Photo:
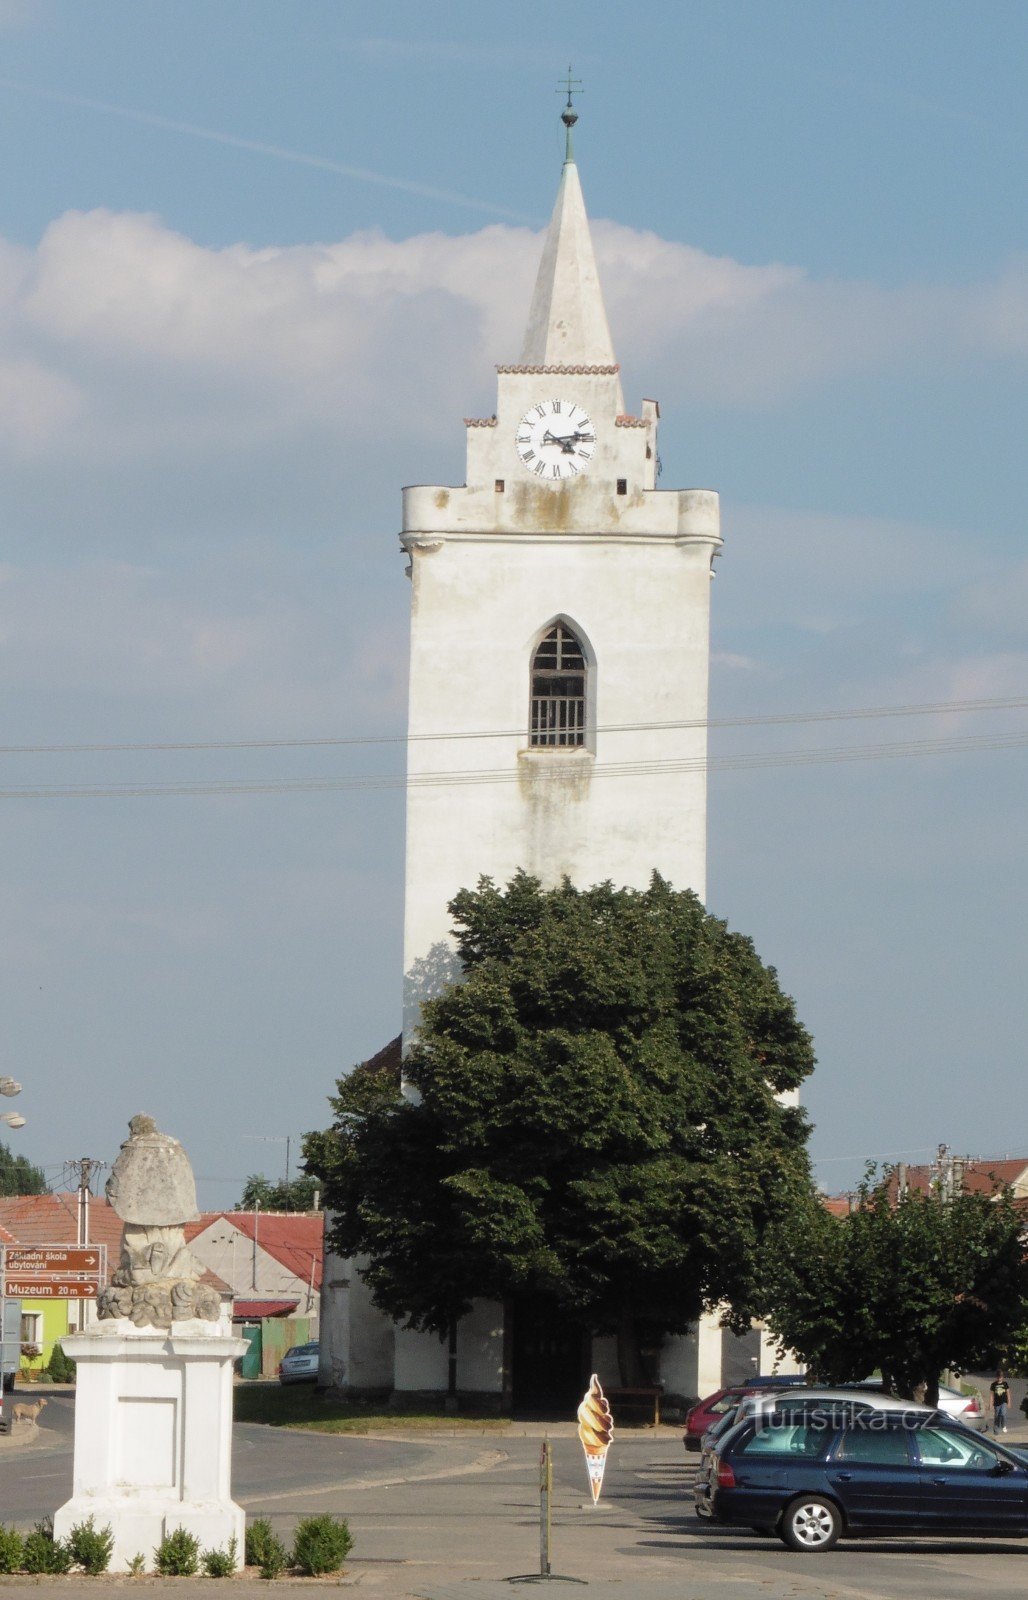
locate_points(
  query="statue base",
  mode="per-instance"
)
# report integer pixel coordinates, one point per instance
(153, 1436)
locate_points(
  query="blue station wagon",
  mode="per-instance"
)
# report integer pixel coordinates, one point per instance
(812, 1476)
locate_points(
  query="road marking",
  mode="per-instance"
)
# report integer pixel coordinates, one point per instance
(481, 1463)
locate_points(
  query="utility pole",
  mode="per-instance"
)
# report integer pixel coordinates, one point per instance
(85, 1166)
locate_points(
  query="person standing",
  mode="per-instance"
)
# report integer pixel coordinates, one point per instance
(999, 1389)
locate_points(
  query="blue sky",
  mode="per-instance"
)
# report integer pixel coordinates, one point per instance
(256, 263)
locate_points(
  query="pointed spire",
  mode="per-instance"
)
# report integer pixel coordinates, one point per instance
(567, 325)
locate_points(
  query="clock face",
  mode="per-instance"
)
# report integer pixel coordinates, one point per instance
(555, 440)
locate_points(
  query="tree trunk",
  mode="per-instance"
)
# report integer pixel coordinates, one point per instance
(630, 1366)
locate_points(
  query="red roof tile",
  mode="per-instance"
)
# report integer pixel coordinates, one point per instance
(53, 1219)
(296, 1239)
(255, 1309)
(980, 1176)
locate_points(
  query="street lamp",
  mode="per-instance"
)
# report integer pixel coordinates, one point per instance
(12, 1119)
(9, 1086)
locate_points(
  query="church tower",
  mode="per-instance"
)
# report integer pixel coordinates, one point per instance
(559, 630)
(559, 658)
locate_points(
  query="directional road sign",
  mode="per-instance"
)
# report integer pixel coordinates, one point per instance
(50, 1259)
(51, 1288)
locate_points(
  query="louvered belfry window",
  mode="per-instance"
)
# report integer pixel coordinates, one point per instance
(558, 690)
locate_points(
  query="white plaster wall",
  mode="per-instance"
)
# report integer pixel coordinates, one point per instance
(479, 609)
(226, 1250)
(370, 1338)
(679, 1364)
(334, 1323)
(708, 1353)
(422, 1361)
(480, 1348)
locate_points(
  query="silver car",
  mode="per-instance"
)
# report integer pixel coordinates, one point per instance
(769, 1401)
(300, 1364)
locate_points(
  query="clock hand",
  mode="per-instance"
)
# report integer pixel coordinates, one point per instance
(567, 441)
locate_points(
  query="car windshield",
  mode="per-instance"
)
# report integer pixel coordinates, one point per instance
(302, 1350)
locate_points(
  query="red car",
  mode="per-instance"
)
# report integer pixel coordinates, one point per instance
(705, 1412)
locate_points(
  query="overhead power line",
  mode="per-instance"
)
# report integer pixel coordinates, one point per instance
(611, 769)
(923, 709)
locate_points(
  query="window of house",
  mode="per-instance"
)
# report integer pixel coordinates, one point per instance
(31, 1327)
(558, 690)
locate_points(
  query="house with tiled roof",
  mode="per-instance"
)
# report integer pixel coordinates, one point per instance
(271, 1259)
(988, 1175)
(54, 1219)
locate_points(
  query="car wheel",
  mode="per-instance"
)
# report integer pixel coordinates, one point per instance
(811, 1523)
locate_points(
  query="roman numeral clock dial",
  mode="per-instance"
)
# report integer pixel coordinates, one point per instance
(555, 440)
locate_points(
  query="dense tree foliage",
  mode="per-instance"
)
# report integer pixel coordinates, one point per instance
(906, 1285)
(594, 1118)
(18, 1175)
(298, 1194)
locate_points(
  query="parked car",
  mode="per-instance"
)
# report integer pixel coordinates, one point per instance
(300, 1364)
(814, 1474)
(763, 1403)
(722, 1403)
(708, 1411)
(968, 1407)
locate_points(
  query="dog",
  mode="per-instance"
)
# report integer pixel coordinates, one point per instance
(28, 1413)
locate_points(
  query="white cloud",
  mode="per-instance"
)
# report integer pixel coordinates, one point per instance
(267, 659)
(124, 337)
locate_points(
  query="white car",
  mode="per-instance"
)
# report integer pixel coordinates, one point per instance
(300, 1364)
(963, 1407)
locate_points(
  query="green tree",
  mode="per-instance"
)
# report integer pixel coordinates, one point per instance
(297, 1195)
(906, 1285)
(18, 1175)
(596, 1119)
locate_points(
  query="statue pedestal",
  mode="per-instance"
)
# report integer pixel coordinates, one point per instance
(153, 1436)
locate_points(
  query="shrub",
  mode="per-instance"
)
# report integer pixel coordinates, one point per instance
(60, 1367)
(321, 1544)
(275, 1558)
(11, 1547)
(258, 1536)
(177, 1555)
(43, 1553)
(91, 1547)
(221, 1563)
(136, 1564)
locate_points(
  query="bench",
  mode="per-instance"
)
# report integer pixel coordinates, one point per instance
(646, 1399)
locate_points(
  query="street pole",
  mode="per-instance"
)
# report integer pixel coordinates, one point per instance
(545, 1497)
(86, 1167)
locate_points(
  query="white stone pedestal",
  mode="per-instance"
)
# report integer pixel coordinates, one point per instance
(153, 1436)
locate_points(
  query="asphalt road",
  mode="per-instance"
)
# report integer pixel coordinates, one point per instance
(449, 1517)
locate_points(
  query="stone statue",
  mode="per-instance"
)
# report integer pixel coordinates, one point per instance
(151, 1188)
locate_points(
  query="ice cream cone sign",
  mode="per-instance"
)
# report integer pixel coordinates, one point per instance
(596, 1430)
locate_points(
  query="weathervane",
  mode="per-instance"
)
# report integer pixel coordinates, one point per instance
(569, 116)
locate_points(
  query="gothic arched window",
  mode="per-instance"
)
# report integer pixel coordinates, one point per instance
(558, 689)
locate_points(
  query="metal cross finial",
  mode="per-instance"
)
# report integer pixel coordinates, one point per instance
(569, 116)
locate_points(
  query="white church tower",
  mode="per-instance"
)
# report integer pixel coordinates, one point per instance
(559, 630)
(559, 664)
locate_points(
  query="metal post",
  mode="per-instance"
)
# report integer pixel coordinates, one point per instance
(545, 1498)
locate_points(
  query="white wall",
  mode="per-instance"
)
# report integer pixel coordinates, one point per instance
(491, 572)
(226, 1250)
